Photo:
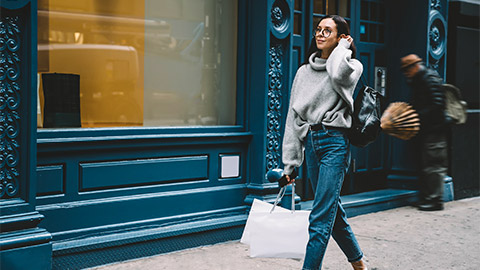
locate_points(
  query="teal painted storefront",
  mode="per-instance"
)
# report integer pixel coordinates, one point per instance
(76, 198)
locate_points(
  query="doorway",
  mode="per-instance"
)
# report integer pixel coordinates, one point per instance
(367, 22)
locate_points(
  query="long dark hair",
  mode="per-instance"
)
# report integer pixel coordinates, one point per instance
(342, 28)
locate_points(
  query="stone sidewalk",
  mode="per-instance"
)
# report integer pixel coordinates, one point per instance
(402, 238)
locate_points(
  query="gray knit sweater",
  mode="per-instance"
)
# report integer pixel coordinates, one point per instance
(321, 93)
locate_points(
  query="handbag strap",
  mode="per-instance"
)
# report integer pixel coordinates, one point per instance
(364, 82)
(293, 198)
(280, 195)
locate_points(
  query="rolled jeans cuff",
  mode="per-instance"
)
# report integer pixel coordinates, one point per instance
(356, 259)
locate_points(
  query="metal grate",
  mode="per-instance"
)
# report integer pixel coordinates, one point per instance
(101, 256)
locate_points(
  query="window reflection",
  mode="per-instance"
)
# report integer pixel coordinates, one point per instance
(140, 63)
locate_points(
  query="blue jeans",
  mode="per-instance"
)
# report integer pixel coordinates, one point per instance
(327, 153)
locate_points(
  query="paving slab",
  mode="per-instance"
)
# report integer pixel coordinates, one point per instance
(402, 238)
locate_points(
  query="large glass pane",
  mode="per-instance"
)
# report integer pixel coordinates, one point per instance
(372, 27)
(343, 8)
(297, 24)
(373, 33)
(364, 31)
(381, 12)
(373, 11)
(332, 7)
(381, 35)
(139, 62)
(298, 5)
(319, 6)
(364, 8)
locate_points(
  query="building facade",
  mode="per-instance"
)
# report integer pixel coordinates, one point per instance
(132, 128)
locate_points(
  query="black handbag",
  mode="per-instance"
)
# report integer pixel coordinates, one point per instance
(365, 117)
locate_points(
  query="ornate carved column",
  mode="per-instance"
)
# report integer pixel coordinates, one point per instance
(271, 39)
(437, 36)
(22, 244)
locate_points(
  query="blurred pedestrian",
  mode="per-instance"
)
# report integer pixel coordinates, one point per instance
(321, 102)
(428, 99)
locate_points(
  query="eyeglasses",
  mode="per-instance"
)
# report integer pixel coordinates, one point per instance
(323, 32)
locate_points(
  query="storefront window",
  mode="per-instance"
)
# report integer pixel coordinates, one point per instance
(105, 63)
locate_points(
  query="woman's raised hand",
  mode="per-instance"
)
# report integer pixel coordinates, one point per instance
(347, 37)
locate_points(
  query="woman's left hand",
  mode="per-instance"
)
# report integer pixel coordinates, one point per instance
(289, 179)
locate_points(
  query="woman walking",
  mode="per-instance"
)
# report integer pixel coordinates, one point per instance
(321, 103)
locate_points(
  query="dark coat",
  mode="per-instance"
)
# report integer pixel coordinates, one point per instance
(428, 99)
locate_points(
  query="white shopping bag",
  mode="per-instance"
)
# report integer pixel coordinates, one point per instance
(258, 206)
(280, 233)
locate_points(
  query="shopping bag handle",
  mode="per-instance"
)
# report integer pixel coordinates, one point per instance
(280, 195)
